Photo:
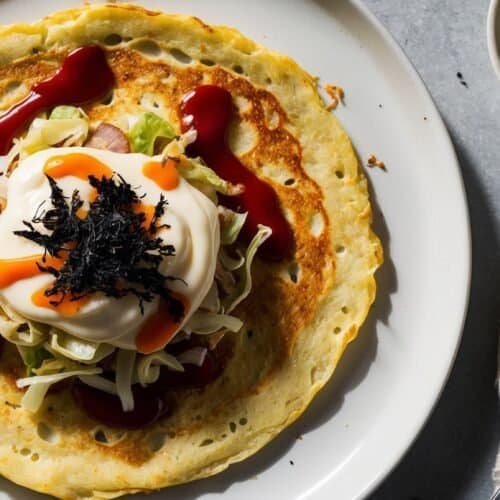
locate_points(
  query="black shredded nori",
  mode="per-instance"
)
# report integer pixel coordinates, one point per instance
(109, 250)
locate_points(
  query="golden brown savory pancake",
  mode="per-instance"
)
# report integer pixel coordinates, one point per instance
(301, 313)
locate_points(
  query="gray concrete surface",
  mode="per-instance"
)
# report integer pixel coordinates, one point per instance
(454, 454)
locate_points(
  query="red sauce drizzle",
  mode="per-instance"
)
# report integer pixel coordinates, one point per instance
(84, 76)
(209, 110)
(196, 376)
(149, 406)
(156, 401)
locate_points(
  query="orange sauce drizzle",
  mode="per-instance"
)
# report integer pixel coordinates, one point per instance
(159, 328)
(81, 213)
(82, 166)
(164, 174)
(66, 307)
(77, 165)
(12, 270)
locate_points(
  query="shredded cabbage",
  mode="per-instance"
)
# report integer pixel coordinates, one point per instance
(148, 367)
(195, 172)
(66, 112)
(177, 146)
(231, 263)
(245, 275)
(125, 361)
(225, 279)
(33, 357)
(66, 126)
(146, 130)
(34, 396)
(56, 377)
(39, 385)
(231, 224)
(211, 302)
(100, 383)
(83, 351)
(19, 330)
(56, 365)
(207, 322)
(194, 356)
(43, 134)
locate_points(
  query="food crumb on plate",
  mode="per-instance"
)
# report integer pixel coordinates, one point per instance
(373, 161)
(337, 95)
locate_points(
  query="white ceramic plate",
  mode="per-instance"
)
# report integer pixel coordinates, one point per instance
(493, 35)
(364, 420)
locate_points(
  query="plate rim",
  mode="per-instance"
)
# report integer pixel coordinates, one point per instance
(491, 22)
(449, 150)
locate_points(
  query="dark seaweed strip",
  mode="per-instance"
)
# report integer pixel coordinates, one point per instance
(108, 251)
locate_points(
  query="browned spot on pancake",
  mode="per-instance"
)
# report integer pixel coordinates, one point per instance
(202, 24)
(285, 295)
(26, 72)
(61, 414)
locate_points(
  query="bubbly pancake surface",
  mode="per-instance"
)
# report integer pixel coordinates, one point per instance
(301, 313)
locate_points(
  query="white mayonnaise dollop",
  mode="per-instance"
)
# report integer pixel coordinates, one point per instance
(194, 232)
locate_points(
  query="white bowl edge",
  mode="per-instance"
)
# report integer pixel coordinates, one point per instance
(492, 26)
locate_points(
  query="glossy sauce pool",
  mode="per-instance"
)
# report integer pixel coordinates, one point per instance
(156, 401)
(209, 110)
(84, 76)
